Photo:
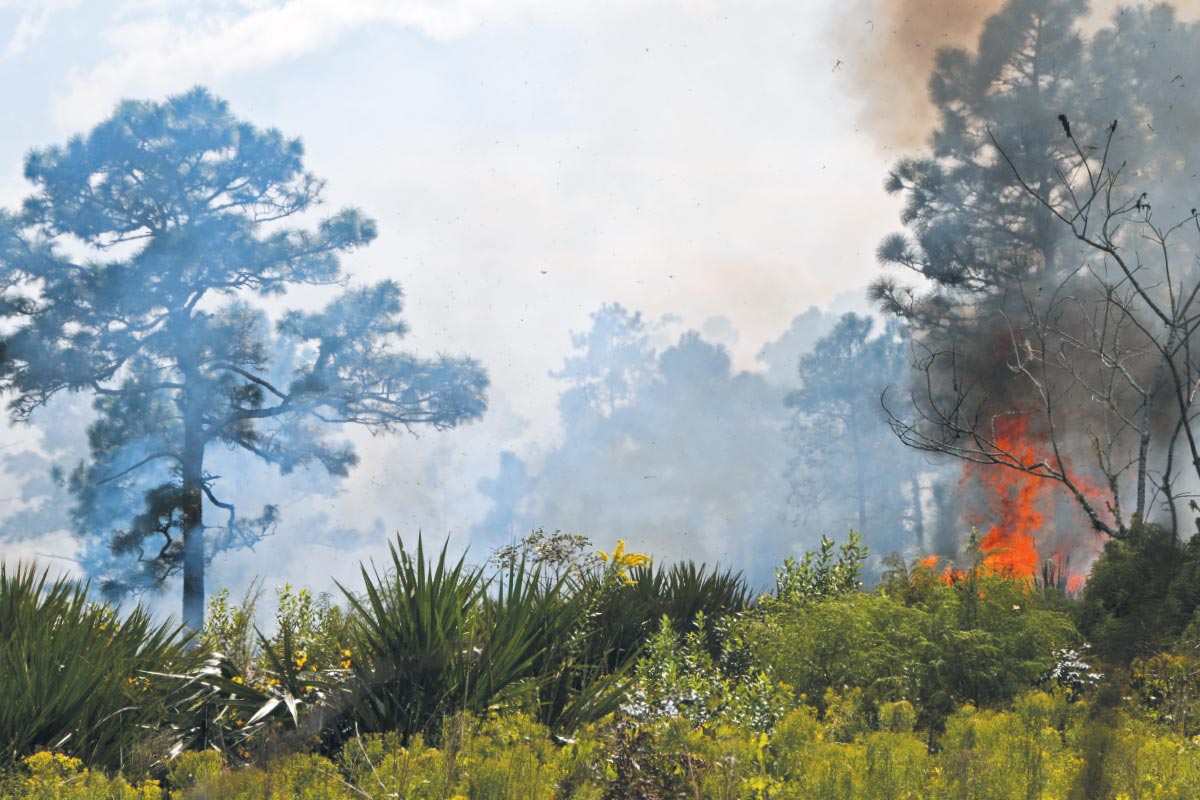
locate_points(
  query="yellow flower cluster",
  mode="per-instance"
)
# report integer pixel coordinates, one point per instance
(621, 562)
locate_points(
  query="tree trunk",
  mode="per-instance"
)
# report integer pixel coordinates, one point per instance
(192, 515)
(192, 475)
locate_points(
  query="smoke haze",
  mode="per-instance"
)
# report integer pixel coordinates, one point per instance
(657, 439)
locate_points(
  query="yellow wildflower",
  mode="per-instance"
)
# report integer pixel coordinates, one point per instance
(621, 562)
(616, 553)
(636, 560)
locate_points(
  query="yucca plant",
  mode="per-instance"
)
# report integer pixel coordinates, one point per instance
(627, 615)
(556, 622)
(214, 707)
(74, 675)
(431, 638)
(411, 637)
(689, 589)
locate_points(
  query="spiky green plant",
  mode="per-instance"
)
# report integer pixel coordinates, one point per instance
(412, 640)
(216, 706)
(74, 674)
(628, 615)
(431, 638)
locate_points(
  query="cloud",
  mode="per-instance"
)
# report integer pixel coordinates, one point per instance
(167, 47)
(32, 22)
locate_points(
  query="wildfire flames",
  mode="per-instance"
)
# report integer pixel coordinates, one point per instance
(1014, 506)
(1014, 499)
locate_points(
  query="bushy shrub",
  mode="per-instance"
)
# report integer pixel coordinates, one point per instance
(1142, 593)
(980, 639)
(677, 677)
(312, 626)
(829, 572)
(54, 776)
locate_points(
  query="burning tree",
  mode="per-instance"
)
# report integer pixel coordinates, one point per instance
(132, 274)
(1053, 344)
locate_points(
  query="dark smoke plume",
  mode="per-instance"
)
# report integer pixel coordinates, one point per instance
(889, 48)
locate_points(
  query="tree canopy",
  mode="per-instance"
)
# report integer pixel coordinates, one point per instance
(149, 268)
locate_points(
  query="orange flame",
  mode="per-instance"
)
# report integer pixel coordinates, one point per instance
(1017, 504)
(1015, 497)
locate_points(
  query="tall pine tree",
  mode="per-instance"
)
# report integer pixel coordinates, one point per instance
(137, 272)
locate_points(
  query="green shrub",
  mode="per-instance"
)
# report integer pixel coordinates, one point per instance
(229, 629)
(678, 677)
(981, 640)
(823, 574)
(1141, 594)
(74, 675)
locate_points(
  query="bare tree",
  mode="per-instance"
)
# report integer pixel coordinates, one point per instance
(1095, 351)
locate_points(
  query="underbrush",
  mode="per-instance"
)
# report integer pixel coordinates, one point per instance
(1044, 746)
(559, 675)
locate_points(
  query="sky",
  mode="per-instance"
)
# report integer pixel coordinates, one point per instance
(703, 162)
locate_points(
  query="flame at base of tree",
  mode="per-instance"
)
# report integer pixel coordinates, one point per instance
(1014, 499)
(1015, 505)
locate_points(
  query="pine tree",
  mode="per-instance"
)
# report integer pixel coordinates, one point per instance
(147, 269)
